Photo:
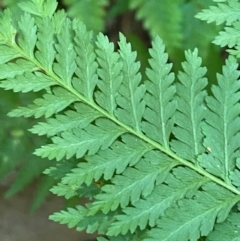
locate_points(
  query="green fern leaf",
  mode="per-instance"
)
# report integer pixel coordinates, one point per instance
(28, 82)
(130, 90)
(86, 62)
(80, 117)
(27, 36)
(133, 183)
(10, 70)
(228, 230)
(46, 52)
(7, 30)
(221, 13)
(222, 123)
(193, 218)
(64, 190)
(144, 212)
(98, 222)
(191, 110)
(229, 37)
(7, 53)
(107, 162)
(71, 217)
(109, 73)
(39, 7)
(65, 66)
(116, 128)
(78, 142)
(120, 238)
(60, 169)
(159, 97)
(48, 105)
(235, 174)
(58, 19)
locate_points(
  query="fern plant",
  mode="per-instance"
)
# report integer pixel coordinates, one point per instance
(158, 159)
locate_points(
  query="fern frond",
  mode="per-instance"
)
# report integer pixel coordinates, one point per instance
(7, 29)
(130, 99)
(28, 82)
(133, 183)
(97, 223)
(86, 62)
(27, 35)
(47, 106)
(61, 169)
(107, 162)
(229, 37)
(64, 190)
(78, 142)
(109, 73)
(146, 211)
(39, 7)
(71, 217)
(7, 54)
(10, 70)
(45, 53)
(159, 96)
(194, 217)
(235, 174)
(66, 55)
(116, 128)
(222, 123)
(228, 230)
(221, 13)
(191, 109)
(79, 117)
(121, 238)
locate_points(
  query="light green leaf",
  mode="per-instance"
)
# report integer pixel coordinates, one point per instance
(107, 162)
(190, 219)
(221, 13)
(28, 82)
(39, 7)
(191, 109)
(109, 73)
(46, 52)
(7, 53)
(78, 142)
(10, 70)
(229, 37)
(222, 123)
(86, 62)
(80, 117)
(27, 36)
(159, 97)
(48, 105)
(133, 183)
(131, 92)
(146, 211)
(71, 217)
(65, 66)
(229, 230)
